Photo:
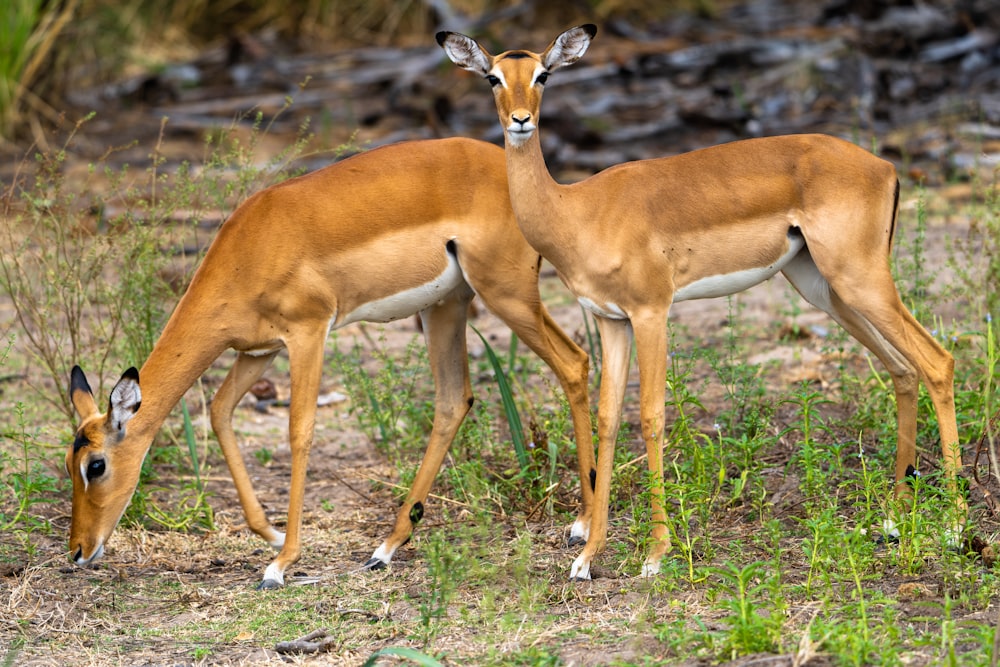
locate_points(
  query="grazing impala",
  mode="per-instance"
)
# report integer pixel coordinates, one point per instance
(631, 240)
(416, 227)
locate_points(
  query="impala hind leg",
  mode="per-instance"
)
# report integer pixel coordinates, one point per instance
(873, 313)
(246, 370)
(444, 330)
(616, 347)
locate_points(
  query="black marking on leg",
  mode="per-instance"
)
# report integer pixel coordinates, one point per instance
(472, 400)
(911, 472)
(593, 479)
(451, 248)
(417, 512)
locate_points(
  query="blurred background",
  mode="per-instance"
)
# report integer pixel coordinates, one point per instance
(917, 79)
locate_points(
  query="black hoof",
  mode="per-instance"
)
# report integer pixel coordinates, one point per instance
(373, 564)
(579, 579)
(268, 585)
(576, 541)
(882, 539)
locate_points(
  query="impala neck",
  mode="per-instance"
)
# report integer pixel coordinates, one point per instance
(535, 198)
(186, 347)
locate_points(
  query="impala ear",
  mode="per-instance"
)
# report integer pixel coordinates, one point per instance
(125, 400)
(81, 394)
(568, 47)
(465, 52)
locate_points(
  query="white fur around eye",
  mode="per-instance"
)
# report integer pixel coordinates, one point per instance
(539, 71)
(498, 74)
(83, 475)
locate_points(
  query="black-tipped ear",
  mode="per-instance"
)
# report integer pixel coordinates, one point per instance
(590, 29)
(80, 393)
(78, 381)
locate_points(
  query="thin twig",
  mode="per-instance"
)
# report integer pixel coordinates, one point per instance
(404, 488)
(986, 445)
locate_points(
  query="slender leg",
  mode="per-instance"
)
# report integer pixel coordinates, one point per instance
(651, 350)
(444, 329)
(571, 366)
(525, 315)
(305, 356)
(875, 316)
(616, 344)
(246, 370)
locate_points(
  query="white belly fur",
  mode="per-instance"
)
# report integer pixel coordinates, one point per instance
(725, 284)
(403, 304)
(609, 310)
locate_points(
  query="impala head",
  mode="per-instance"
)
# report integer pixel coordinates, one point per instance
(104, 471)
(518, 77)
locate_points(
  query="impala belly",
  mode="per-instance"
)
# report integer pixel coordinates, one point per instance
(724, 284)
(609, 310)
(409, 301)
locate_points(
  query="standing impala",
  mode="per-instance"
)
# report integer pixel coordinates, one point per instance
(416, 227)
(631, 240)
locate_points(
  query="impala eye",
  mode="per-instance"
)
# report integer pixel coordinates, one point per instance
(494, 81)
(95, 469)
(542, 78)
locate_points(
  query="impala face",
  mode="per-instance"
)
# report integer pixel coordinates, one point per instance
(518, 77)
(102, 486)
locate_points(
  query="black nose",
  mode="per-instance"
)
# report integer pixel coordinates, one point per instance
(78, 555)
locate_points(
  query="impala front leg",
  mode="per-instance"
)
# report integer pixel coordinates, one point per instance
(305, 366)
(651, 350)
(616, 346)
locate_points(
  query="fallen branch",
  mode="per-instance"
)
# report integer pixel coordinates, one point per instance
(308, 643)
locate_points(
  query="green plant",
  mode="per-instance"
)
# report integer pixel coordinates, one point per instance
(741, 380)
(811, 455)
(509, 406)
(410, 654)
(913, 275)
(192, 507)
(442, 572)
(28, 483)
(752, 627)
(387, 403)
(975, 259)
